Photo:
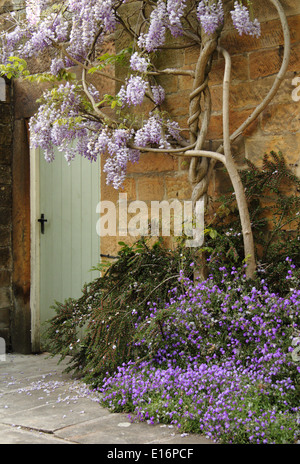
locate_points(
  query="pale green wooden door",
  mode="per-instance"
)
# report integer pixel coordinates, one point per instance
(70, 245)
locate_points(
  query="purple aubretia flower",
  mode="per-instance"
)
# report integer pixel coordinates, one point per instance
(242, 22)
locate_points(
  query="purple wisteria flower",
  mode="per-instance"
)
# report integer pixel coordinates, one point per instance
(52, 29)
(139, 63)
(120, 155)
(79, 30)
(10, 43)
(242, 22)
(150, 133)
(175, 11)
(210, 15)
(133, 92)
(157, 131)
(50, 126)
(34, 9)
(157, 29)
(57, 65)
(158, 93)
(94, 92)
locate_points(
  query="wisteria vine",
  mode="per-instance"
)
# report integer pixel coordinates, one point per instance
(76, 31)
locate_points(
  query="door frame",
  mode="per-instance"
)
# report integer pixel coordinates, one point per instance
(35, 249)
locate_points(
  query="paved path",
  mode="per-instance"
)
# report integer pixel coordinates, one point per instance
(39, 404)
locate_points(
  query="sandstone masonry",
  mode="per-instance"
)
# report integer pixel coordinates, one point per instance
(6, 263)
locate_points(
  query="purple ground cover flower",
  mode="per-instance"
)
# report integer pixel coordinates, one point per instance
(218, 362)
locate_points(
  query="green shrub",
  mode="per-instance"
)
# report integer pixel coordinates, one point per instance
(274, 206)
(112, 303)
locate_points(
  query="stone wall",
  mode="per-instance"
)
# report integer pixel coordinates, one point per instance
(255, 63)
(6, 262)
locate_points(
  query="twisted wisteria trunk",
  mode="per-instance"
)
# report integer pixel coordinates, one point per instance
(203, 162)
(200, 108)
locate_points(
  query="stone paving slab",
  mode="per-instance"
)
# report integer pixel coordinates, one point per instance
(19, 436)
(40, 404)
(116, 429)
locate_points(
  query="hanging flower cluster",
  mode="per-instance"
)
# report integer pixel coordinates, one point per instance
(210, 15)
(242, 22)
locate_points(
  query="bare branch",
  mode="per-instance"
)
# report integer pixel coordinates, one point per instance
(96, 109)
(279, 77)
(174, 71)
(206, 154)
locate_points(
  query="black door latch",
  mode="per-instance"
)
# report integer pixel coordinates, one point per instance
(42, 221)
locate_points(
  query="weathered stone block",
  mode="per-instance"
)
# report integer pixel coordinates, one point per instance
(169, 58)
(152, 162)
(239, 70)
(191, 55)
(5, 114)
(177, 104)
(25, 96)
(265, 11)
(4, 318)
(5, 298)
(5, 136)
(288, 144)
(5, 278)
(271, 37)
(5, 258)
(251, 93)
(5, 195)
(281, 118)
(150, 188)
(5, 155)
(5, 174)
(5, 236)
(268, 62)
(178, 187)
(236, 119)
(5, 216)
(109, 193)
(169, 83)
